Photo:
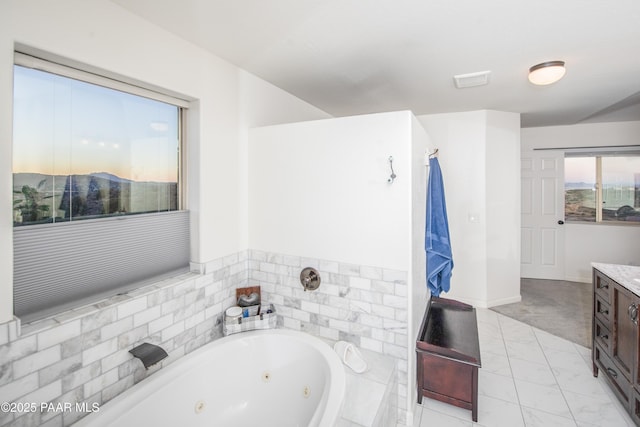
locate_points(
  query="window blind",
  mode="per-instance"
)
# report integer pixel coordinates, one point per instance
(57, 266)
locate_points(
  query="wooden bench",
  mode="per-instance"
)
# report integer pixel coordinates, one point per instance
(448, 354)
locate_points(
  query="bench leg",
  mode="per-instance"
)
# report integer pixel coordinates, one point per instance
(474, 395)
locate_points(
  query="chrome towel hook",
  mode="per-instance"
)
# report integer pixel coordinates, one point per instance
(392, 177)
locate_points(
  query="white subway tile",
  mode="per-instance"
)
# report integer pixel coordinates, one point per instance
(161, 323)
(371, 344)
(310, 307)
(44, 394)
(368, 272)
(394, 301)
(114, 329)
(291, 323)
(360, 283)
(146, 316)
(172, 330)
(131, 307)
(99, 351)
(12, 391)
(300, 315)
(98, 384)
(18, 349)
(4, 333)
(36, 361)
(114, 360)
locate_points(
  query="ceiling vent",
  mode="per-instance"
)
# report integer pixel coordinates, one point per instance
(472, 79)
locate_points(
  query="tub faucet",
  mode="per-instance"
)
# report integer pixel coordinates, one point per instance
(149, 354)
(310, 279)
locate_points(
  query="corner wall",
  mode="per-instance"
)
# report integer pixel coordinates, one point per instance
(480, 158)
(319, 195)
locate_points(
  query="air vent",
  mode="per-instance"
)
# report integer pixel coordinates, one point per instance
(472, 79)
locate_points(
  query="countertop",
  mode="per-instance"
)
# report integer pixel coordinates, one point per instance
(627, 275)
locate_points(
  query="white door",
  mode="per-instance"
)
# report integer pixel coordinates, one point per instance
(542, 215)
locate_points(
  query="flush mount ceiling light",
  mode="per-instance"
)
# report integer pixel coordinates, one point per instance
(546, 73)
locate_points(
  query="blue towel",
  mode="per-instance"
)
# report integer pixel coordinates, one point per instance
(437, 242)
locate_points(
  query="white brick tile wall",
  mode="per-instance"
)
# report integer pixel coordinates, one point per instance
(129, 308)
(36, 361)
(82, 355)
(57, 335)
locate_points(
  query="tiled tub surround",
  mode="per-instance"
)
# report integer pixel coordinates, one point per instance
(82, 355)
(360, 304)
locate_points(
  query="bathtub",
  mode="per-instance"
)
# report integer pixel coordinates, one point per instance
(269, 378)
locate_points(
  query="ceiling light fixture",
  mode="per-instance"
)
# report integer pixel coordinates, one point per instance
(546, 73)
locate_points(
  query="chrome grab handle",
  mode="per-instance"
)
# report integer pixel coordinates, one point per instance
(612, 372)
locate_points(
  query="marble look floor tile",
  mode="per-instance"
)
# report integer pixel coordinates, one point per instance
(497, 386)
(563, 360)
(496, 363)
(445, 408)
(530, 377)
(532, 372)
(579, 381)
(549, 341)
(594, 410)
(493, 346)
(536, 418)
(431, 418)
(498, 413)
(525, 351)
(544, 398)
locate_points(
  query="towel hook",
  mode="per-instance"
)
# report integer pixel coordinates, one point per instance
(392, 177)
(434, 154)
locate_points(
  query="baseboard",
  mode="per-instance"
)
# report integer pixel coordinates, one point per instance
(503, 301)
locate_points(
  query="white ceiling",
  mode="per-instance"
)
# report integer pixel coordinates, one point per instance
(352, 57)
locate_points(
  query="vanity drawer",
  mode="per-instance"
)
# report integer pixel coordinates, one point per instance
(602, 336)
(602, 311)
(602, 286)
(619, 384)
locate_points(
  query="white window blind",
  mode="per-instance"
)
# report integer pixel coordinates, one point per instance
(57, 266)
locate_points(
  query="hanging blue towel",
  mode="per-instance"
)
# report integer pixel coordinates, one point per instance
(437, 242)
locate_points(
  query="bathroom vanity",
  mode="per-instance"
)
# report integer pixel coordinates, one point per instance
(448, 354)
(616, 335)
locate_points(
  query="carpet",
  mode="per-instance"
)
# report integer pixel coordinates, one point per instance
(559, 307)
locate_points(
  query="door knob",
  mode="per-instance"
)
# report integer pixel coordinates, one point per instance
(560, 222)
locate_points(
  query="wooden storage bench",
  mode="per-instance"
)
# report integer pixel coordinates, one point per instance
(448, 354)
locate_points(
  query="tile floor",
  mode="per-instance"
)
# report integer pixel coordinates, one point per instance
(529, 378)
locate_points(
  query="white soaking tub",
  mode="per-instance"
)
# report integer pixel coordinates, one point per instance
(268, 378)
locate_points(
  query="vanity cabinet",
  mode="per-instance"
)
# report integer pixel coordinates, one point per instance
(616, 339)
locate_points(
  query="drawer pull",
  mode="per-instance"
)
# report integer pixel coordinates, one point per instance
(604, 337)
(606, 312)
(612, 372)
(606, 286)
(633, 313)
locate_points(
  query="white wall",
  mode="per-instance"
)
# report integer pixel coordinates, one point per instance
(418, 293)
(479, 156)
(319, 189)
(103, 35)
(503, 207)
(584, 243)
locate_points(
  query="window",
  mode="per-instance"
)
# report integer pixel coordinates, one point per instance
(96, 186)
(602, 188)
